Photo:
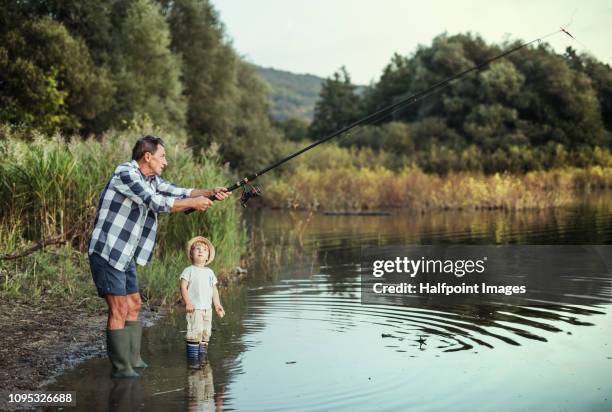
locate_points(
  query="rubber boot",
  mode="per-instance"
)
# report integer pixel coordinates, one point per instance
(118, 348)
(134, 327)
(193, 354)
(203, 350)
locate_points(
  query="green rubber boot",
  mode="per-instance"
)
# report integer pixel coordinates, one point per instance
(134, 327)
(118, 348)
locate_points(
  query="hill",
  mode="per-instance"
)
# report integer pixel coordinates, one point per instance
(291, 95)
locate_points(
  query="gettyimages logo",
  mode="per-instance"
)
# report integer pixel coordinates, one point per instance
(413, 267)
(460, 274)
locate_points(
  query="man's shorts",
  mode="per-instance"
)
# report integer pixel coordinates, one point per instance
(199, 325)
(110, 281)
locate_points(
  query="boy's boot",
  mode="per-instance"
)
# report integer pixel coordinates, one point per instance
(134, 328)
(203, 350)
(118, 348)
(193, 348)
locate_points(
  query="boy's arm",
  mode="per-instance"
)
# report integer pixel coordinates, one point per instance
(217, 302)
(185, 294)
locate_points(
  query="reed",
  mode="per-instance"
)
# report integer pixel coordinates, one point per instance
(360, 188)
(334, 177)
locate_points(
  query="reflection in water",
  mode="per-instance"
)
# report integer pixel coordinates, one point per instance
(298, 337)
(125, 395)
(201, 390)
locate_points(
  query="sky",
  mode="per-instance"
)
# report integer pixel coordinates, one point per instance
(320, 36)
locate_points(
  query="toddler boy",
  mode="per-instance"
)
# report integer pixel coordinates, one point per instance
(199, 292)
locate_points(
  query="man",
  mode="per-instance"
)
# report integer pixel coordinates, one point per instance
(124, 235)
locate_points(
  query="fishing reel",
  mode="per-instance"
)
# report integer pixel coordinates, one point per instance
(249, 192)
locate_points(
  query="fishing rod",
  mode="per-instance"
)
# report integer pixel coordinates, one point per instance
(250, 191)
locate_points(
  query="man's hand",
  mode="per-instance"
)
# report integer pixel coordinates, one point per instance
(220, 311)
(201, 203)
(189, 308)
(221, 193)
(192, 203)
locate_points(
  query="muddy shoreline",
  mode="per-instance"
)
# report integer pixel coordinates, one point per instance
(40, 342)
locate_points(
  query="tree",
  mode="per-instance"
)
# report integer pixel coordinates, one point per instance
(49, 80)
(227, 103)
(601, 77)
(337, 107)
(255, 143)
(127, 44)
(146, 72)
(210, 68)
(93, 21)
(294, 129)
(393, 84)
(558, 104)
(531, 97)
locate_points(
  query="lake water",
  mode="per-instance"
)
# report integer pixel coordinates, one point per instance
(297, 336)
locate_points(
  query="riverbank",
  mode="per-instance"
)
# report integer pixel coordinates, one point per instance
(39, 342)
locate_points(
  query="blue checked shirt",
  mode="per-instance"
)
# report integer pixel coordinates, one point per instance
(126, 221)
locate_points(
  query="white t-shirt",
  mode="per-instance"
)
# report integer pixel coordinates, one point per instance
(200, 285)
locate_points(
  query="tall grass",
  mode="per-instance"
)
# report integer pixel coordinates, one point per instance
(51, 188)
(337, 178)
(59, 275)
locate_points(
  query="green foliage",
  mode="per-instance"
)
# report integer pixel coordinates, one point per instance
(227, 103)
(209, 69)
(91, 20)
(559, 104)
(294, 129)
(393, 84)
(501, 83)
(337, 107)
(61, 275)
(123, 71)
(393, 137)
(49, 80)
(601, 77)
(516, 115)
(490, 126)
(332, 156)
(434, 147)
(255, 142)
(147, 73)
(431, 131)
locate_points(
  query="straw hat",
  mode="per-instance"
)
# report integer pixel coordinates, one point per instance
(211, 248)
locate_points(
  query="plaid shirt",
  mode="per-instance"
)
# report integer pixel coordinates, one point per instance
(126, 221)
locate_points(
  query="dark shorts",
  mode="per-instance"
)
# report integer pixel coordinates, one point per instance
(110, 281)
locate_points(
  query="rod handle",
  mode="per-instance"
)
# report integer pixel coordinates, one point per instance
(213, 197)
(190, 211)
